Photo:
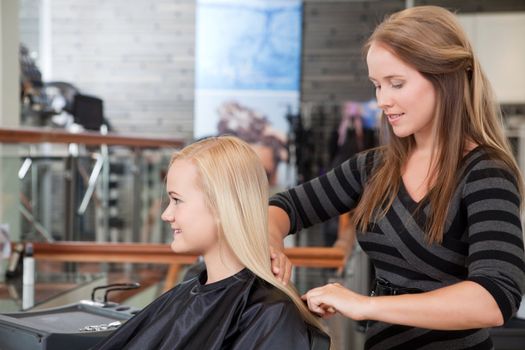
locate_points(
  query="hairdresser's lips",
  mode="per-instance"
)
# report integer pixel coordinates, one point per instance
(394, 118)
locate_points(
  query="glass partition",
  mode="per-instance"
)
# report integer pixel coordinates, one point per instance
(75, 191)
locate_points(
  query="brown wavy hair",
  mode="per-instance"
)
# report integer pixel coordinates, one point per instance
(431, 40)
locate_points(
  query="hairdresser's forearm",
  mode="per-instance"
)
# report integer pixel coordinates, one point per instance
(278, 225)
(464, 305)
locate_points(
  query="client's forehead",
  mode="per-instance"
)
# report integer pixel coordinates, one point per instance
(182, 176)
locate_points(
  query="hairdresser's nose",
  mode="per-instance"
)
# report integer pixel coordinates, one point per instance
(384, 99)
(168, 215)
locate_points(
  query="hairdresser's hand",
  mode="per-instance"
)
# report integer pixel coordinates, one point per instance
(331, 298)
(281, 265)
(278, 227)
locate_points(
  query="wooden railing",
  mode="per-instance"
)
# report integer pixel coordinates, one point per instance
(41, 135)
(162, 254)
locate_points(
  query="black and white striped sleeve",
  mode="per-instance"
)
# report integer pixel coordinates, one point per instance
(324, 197)
(496, 258)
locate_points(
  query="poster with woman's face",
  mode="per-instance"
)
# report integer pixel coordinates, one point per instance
(248, 75)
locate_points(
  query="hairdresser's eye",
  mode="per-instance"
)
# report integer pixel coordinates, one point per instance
(397, 85)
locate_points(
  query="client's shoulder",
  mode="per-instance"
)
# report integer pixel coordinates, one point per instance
(266, 296)
(270, 319)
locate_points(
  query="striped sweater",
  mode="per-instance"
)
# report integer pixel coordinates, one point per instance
(483, 241)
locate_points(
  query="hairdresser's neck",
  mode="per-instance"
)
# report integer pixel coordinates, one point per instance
(221, 263)
(425, 142)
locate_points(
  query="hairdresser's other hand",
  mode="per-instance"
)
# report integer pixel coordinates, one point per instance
(281, 265)
(325, 301)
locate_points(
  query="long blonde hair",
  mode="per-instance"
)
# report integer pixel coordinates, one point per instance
(431, 40)
(236, 189)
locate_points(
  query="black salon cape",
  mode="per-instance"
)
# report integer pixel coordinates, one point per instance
(240, 312)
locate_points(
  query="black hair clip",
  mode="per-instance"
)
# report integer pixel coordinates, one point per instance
(469, 72)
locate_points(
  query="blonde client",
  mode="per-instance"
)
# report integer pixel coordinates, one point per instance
(218, 195)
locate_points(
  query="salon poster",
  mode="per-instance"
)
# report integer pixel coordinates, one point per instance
(248, 56)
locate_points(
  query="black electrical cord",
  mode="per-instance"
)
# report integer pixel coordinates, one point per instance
(114, 287)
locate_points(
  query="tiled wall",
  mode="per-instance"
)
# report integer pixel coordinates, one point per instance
(334, 33)
(29, 13)
(468, 6)
(137, 55)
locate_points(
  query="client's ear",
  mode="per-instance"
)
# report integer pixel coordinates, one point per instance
(218, 223)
